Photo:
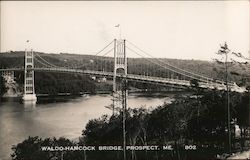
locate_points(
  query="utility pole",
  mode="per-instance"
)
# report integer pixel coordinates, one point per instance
(124, 108)
(124, 99)
(114, 78)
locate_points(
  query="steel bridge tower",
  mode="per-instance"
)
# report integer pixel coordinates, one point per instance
(29, 87)
(120, 67)
(120, 85)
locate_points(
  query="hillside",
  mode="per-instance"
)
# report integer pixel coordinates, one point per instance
(238, 73)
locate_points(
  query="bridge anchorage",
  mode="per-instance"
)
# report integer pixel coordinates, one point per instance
(29, 87)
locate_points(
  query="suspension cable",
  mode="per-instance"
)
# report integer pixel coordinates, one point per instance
(42, 63)
(201, 76)
(107, 52)
(190, 76)
(104, 48)
(37, 55)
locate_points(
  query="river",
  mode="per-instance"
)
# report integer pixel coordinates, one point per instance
(56, 118)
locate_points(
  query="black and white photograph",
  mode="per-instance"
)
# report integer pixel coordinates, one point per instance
(125, 80)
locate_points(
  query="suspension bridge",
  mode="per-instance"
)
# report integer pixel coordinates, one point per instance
(112, 61)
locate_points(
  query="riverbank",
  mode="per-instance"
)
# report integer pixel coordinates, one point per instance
(65, 96)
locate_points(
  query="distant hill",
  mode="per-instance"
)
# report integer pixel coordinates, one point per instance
(238, 72)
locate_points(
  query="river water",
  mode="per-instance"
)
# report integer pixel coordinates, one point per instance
(52, 118)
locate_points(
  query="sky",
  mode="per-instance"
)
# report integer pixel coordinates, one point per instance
(168, 29)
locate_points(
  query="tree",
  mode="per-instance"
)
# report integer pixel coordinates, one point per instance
(2, 86)
(226, 53)
(31, 149)
(243, 111)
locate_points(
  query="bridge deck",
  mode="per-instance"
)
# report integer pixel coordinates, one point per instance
(142, 78)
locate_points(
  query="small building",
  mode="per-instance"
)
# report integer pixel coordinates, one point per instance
(93, 78)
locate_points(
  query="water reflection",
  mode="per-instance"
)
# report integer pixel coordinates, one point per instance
(29, 105)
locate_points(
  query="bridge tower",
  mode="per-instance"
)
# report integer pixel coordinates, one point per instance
(120, 85)
(29, 87)
(120, 67)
